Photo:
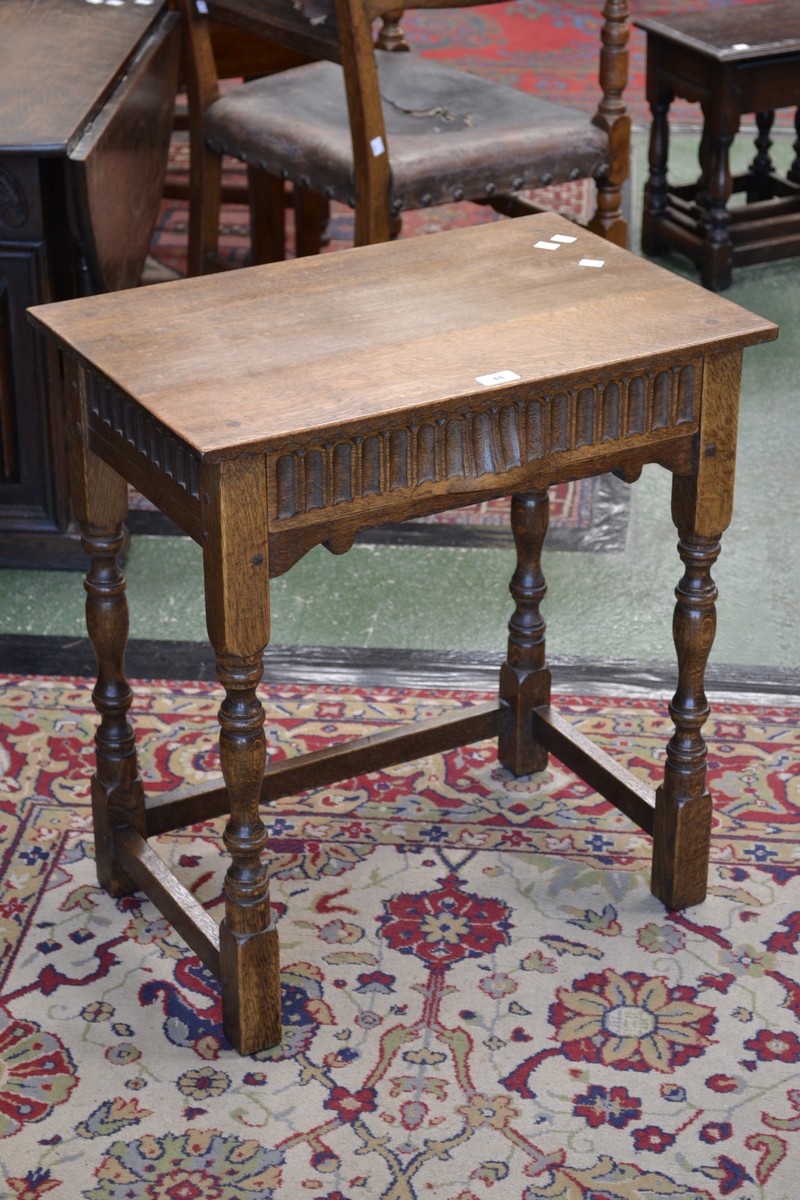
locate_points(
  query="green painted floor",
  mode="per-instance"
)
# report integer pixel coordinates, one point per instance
(600, 606)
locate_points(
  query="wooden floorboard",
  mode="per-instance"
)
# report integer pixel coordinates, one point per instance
(27, 654)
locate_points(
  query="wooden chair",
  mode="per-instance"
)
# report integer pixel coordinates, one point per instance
(384, 130)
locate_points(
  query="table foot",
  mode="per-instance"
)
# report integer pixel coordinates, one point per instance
(251, 994)
(524, 679)
(681, 841)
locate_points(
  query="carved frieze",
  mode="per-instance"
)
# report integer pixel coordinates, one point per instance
(492, 439)
(119, 416)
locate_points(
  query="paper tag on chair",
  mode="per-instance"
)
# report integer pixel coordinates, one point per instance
(377, 147)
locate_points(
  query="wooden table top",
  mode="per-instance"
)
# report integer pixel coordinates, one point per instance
(253, 358)
(60, 60)
(735, 33)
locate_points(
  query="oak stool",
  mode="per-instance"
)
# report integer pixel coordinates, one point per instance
(734, 60)
(272, 409)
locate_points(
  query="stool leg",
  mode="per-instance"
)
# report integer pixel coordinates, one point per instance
(716, 266)
(793, 173)
(760, 179)
(524, 679)
(656, 192)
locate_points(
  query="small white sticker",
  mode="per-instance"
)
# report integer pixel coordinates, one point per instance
(740, 46)
(377, 147)
(562, 237)
(592, 262)
(497, 377)
(547, 246)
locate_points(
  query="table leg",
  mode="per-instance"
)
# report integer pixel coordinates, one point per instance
(524, 679)
(701, 508)
(237, 616)
(682, 833)
(100, 500)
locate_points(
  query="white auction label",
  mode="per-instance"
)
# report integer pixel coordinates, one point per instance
(498, 377)
(562, 237)
(547, 246)
(592, 262)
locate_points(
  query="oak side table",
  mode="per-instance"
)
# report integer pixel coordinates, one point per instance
(272, 409)
(742, 58)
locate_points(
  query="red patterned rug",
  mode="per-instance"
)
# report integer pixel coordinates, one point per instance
(481, 997)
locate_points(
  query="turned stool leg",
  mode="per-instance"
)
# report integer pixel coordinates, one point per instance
(682, 833)
(760, 179)
(656, 190)
(793, 173)
(716, 267)
(524, 679)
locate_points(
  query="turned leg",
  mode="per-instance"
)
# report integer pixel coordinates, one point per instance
(609, 219)
(656, 192)
(682, 833)
(248, 939)
(716, 266)
(760, 179)
(524, 678)
(794, 170)
(702, 504)
(100, 500)
(117, 792)
(236, 568)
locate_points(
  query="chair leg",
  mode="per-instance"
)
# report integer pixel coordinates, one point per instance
(205, 189)
(267, 203)
(524, 678)
(311, 216)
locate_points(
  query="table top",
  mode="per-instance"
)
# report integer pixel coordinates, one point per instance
(60, 60)
(737, 32)
(254, 358)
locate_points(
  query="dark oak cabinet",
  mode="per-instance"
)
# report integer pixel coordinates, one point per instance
(86, 106)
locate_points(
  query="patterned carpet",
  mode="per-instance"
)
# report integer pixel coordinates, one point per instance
(481, 997)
